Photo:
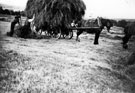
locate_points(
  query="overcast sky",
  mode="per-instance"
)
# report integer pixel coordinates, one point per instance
(104, 8)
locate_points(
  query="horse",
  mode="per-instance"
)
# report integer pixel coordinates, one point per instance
(91, 30)
(129, 30)
(105, 23)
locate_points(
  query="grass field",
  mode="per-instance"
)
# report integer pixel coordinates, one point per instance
(66, 66)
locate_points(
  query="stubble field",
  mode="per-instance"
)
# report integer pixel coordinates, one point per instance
(66, 66)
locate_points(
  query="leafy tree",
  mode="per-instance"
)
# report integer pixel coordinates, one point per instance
(1, 9)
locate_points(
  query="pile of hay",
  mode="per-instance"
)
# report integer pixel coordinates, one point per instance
(57, 13)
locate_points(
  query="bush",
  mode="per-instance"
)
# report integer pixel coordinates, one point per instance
(114, 22)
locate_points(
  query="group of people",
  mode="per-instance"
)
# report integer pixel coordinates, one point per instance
(28, 25)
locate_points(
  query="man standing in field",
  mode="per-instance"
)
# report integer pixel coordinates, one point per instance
(13, 23)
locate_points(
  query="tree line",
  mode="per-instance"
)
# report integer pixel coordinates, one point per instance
(11, 12)
(120, 23)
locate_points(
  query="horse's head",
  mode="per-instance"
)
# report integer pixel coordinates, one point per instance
(104, 22)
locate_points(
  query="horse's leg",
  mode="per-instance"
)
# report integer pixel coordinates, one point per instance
(78, 33)
(125, 40)
(97, 34)
(108, 29)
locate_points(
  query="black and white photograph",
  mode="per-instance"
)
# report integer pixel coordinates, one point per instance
(67, 46)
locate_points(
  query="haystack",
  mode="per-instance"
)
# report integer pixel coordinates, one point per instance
(55, 12)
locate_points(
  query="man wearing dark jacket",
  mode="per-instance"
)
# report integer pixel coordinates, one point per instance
(13, 23)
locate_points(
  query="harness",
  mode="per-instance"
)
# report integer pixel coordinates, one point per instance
(99, 22)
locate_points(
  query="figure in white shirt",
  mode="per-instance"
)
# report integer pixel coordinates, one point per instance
(33, 28)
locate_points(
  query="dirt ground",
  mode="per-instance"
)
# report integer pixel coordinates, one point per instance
(66, 66)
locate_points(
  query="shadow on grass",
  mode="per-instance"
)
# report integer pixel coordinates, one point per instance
(121, 80)
(3, 71)
(111, 37)
(9, 61)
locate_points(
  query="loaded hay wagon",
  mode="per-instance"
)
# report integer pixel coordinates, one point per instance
(55, 13)
(55, 16)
